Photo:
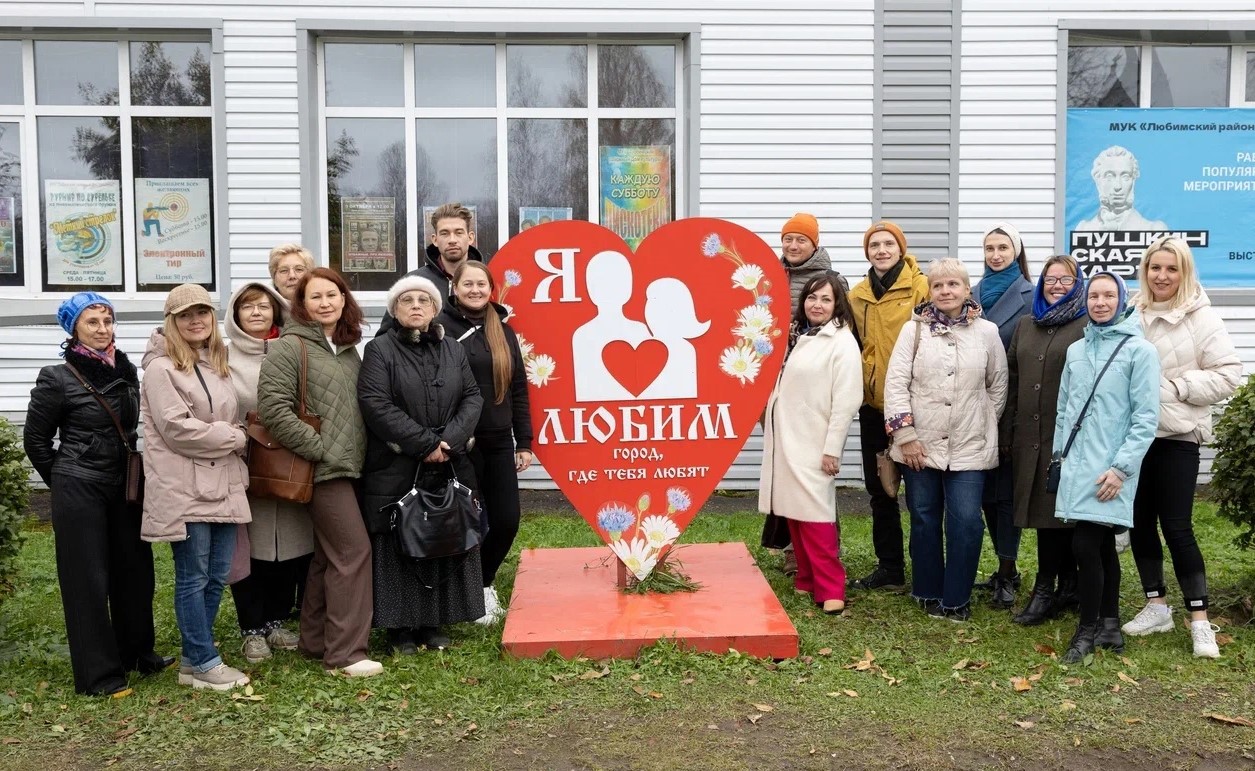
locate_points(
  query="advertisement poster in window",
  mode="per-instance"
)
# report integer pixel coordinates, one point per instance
(8, 240)
(173, 231)
(84, 231)
(1134, 175)
(430, 210)
(530, 216)
(367, 242)
(635, 190)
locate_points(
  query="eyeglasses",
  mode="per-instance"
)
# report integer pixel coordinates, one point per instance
(255, 307)
(1061, 280)
(422, 301)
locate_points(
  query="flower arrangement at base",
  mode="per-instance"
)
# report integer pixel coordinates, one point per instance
(644, 541)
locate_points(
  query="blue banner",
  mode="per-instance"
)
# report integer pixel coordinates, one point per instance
(1134, 175)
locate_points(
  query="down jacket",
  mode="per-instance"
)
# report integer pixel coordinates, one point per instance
(1200, 365)
(808, 416)
(337, 451)
(90, 446)
(415, 391)
(194, 468)
(1118, 427)
(280, 530)
(951, 396)
(817, 264)
(878, 323)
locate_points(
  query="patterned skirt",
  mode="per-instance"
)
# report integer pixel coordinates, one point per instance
(434, 592)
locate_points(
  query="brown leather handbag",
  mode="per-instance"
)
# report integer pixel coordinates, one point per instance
(134, 458)
(274, 471)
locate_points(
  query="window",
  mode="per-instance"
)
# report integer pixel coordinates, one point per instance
(113, 140)
(520, 133)
(1154, 76)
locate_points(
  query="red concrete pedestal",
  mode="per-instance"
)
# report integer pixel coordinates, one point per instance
(566, 600)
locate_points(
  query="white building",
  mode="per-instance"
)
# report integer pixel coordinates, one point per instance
(943, 116)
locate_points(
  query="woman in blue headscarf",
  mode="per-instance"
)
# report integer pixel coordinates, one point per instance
(1027, 430)
(1108, 413)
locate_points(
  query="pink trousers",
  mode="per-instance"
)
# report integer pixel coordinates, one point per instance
(817, 546)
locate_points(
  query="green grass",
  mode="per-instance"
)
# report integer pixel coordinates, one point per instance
(469, 707)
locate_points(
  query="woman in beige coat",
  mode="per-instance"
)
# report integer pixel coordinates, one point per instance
(807, 419)
(195, 476)
(944, 391)
(280, 538)
(1200, 367)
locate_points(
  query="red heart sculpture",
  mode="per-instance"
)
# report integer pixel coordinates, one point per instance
(647, 371)
(635, 367)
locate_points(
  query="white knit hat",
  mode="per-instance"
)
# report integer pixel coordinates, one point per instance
(409, 284)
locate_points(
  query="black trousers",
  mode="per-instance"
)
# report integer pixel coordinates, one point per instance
(886, 514)
(493, 458)
(1054, 556)
(1098, 571)
(266, 597)
(106, 576)
(1165, 497)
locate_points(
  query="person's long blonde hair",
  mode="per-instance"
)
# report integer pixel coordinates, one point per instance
(1189, 287)
(185, 356)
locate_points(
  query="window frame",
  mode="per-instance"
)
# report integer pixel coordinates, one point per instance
(1145, 69)
(681, 114)
(1237, 76)
(121, 32)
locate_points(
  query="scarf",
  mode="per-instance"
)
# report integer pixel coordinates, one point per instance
(881, 285)
(273, 333)
(475, 316)
(108, 355)
(1070, 306)
(939, 323)
(995, 283)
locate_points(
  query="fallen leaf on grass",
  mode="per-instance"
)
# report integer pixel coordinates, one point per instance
(654, 695)
(1021, 684)
(688, 681)
(639, 690)
(1219, 718)
(751, 682)
(1034, 677)
(1132, 720)
(1223, 639)
(1076, 741)
(962, 664)
(1025, 724)
(124, 734)
(1115, 688)
(470, 681)
(10, 740)
(1073, 681)
(824, 651)
(754, 718)
(594, 674)
(853, 694)
(1044, 649)
(1126, 661)
(636, 678)
(58, 729)
(1067, 705)
(1126, 678)
(762, 707)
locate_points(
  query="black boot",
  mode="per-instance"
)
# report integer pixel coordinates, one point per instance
(1003, 593)
(1065, 598)
(1082, 644)
(1040, 606)
(1109, 636)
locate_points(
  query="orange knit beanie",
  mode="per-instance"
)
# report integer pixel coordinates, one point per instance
(891, 228)
(803, 223)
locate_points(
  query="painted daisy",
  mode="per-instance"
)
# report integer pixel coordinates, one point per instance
(741, 362)
(638, 556)
(747, 277)
(540, 369)
(754, 322)
(659, 531)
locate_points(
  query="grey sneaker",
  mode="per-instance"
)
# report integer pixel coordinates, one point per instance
(282, 639)
(220, 678)
(185, 674)
(255, 649)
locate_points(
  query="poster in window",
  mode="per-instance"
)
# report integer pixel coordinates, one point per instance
(8, 239)
(427, 229)
(173, 231)
(1134, 175)
(84, 231)
(530, 216)
(367, 240)
(635, 190)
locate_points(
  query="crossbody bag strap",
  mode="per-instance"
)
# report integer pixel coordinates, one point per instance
(103, 403)
(1076, 427)
(919, 332)
(304, 377)
(204, 385)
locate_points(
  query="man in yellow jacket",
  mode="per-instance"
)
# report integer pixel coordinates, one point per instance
(882, 303)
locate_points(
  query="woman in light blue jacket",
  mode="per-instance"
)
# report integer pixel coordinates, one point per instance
(1101, 459)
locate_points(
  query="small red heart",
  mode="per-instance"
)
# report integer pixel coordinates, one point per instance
(635, 367)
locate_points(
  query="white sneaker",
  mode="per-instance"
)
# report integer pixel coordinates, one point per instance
(363, 668)
(1152, 618)
(1122, 542)
(1204, 634)
(493, 612)
(220, 678)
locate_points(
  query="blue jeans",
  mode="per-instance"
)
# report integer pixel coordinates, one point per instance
(950, 498)
(999, 508)
(201, 564)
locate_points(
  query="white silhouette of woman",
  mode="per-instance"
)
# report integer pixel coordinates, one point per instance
(608, 279)
(673, 321)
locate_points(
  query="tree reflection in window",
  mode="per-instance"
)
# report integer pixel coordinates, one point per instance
(12, 267)
(366, 158)
(157, 80)
(548, 166)
(1103, 76)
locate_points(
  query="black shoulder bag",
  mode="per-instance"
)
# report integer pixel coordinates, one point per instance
(435, 523)
(1055, 470)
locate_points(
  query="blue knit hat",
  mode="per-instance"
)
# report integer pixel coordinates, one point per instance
(71, 309)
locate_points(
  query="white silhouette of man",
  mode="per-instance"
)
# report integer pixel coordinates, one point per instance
(1115, 172)
(673, 321)
(608, 280)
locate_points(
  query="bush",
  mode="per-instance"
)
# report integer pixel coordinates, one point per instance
(1233, 470)
(14, 497)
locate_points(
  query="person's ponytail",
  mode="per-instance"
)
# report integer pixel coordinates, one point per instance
(502, 362)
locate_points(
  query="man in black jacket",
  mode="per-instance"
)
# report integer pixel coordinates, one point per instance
(452, 243)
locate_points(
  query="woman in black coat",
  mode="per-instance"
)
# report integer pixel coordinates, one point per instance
(103, 568)
(420, 402)
(503, 436)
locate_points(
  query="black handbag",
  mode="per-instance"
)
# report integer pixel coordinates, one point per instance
(1055, 470)
(430, 523)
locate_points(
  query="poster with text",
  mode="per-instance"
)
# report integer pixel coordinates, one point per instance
(8, 236)
(84, 231)
(1134, 175)
(428, 232)
(635, 190)
(173, 231)
(531, 216)
(368, 243)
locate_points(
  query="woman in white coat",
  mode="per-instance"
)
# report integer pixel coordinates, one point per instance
(944, 392)
(806, 422)
(1200, 367)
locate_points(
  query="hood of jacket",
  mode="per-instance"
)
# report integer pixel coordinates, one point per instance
(1178, 314)
(1129, 326)
(241, 340)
